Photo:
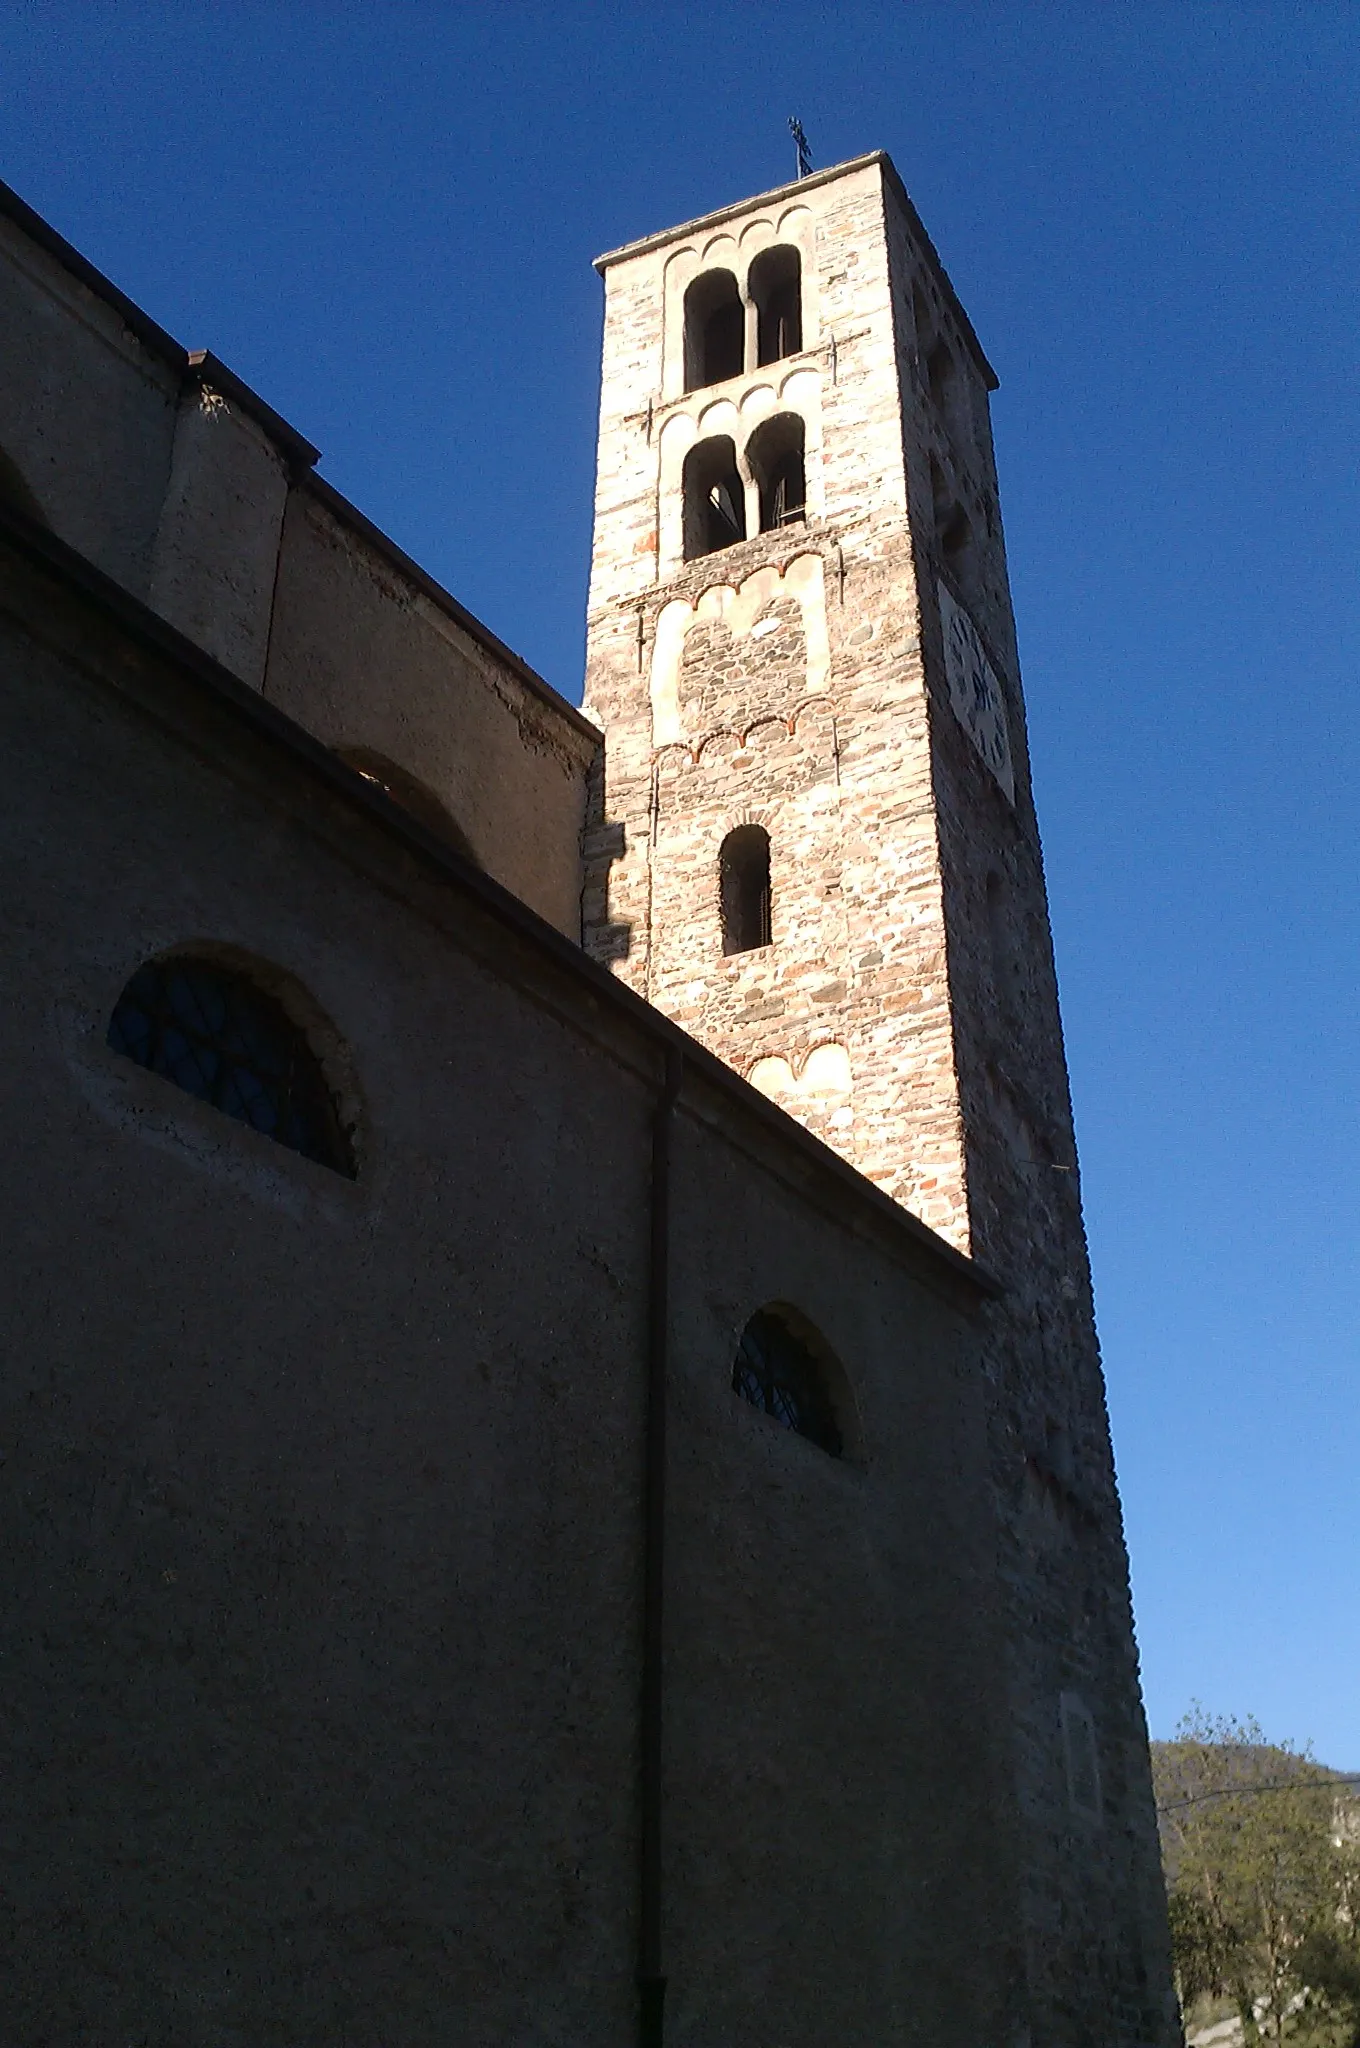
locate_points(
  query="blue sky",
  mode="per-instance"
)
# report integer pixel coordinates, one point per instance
(383, 218)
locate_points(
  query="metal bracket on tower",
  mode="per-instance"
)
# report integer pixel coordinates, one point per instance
(801, 144)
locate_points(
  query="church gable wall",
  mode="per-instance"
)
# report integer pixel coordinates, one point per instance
(175, 479)
(369, 663)
(87, 410)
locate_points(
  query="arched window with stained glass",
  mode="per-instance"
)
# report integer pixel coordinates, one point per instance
(211, 1030)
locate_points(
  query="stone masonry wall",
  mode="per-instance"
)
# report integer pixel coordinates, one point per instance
(837, 773)
(1097, 1946)
(906, 1009)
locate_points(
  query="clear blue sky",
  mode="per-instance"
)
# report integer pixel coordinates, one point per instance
(383, 218)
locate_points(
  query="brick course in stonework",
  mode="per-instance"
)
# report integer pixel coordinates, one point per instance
(906, 1008)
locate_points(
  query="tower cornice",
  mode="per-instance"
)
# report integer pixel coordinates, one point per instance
(795, 186)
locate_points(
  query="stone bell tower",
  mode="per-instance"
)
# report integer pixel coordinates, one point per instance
(816, 849)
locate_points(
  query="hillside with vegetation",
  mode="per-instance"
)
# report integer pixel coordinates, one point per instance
(1261, 1850)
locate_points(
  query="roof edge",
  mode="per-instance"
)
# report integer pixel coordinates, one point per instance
(203, 367)
(212, 371)
(722, 213)
(148, 331)
(336, 502)
(200, 364)
(318, 761)
(892, 176)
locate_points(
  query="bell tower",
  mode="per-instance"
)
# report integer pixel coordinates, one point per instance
(815, 848)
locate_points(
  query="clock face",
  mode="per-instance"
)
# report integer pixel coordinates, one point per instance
(974, 692)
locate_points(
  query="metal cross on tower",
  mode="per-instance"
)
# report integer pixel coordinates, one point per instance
(804, 153)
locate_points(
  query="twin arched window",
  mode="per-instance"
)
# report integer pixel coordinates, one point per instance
(784, 1367)
(210, 1030)
(715, 318)
(715, 494)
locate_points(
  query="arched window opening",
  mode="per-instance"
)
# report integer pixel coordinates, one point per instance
(775, 453)
(744, 887)
(941, 500)
(776, 287)
(715, 502)
(784, 1368)
(14, 490)
(212, 1032)
(715, 330)
(956, 544)
(412, 795)
(940, 377)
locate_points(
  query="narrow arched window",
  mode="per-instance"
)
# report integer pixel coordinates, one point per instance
(940, 499)
(715, 330)
(775, 283)
(744, 886)
(940, 377)
(956, 545)
(715, 500)
(775, 454)
(212, 1032)
(950, 393)
(784, 1368)
(411, 794)
(953, 529)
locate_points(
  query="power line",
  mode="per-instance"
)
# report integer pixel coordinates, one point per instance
(1278, 1785)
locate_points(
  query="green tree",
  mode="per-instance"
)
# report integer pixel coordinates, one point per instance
(1255, 1875)
(1329, 1958)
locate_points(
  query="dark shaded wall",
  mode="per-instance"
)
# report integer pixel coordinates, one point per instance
(320, 1506)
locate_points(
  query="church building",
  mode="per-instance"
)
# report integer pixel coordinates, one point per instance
(554, 1471)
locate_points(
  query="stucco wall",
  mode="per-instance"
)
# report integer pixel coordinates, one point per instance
(87, 411)
(836, 1738)
(364, 659)
(171, 476)
(320, 1501)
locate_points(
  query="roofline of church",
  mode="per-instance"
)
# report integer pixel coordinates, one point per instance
(40, 545)
(796, 185)
(202, 366)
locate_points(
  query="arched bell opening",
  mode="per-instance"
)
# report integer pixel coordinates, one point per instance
(715, 330)
(715, 500)
(775, 455)
(775, 283)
